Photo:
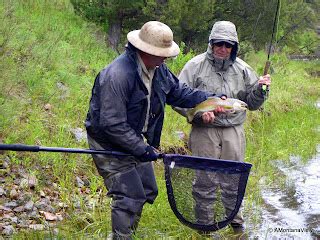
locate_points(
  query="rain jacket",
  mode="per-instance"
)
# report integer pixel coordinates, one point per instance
(233, 77)
(118, 104)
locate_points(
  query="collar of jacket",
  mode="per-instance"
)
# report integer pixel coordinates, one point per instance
(131, 52)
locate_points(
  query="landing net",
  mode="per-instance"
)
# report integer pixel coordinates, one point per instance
(204, 193)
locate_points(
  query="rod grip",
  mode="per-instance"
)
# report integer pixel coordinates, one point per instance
(266, 67)
(19, 147)
(265, 88)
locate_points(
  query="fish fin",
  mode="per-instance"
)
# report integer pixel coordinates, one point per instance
(190, 115)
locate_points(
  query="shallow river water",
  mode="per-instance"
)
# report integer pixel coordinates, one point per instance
(291, 210)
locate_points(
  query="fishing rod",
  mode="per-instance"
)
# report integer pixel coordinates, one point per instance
(265, 88)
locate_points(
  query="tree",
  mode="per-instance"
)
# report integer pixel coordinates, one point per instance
(191, 20)
(254, 19)
(111, 14)
(297, 17)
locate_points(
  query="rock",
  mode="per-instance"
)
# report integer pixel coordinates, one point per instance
(86, 182)
(2, 192)
(76, 203)
(38, 227)
(23, 216)
(24, 183)
(80, 183)
(62, 205)
(18, 209)
(11, 204)
(8, 215)
(181, 135)
(5, 209)
(44, 205)
(55, 231)
(34, 215)
(13, 194)
(59, 216)
(8, 230)
(29, 205)
(6, 162)
(79, 134)
(17, 181)
(22, 225)
(51, 225)
(48, 107)
(24, 198)
(14, 219)
(29, 181)
(49, 216)
(64, 90)
(32, 182)
(42, 194)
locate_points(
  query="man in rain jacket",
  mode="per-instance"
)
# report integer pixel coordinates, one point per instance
(126, 114)
(219, 70)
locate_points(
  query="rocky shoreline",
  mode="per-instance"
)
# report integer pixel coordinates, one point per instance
(27, 204)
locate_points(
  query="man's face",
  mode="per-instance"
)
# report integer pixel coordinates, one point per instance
(152, 61)
(222, 50)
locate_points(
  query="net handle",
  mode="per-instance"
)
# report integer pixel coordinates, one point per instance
(34, 148)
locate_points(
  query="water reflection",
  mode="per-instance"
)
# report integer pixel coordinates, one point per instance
(292, 211)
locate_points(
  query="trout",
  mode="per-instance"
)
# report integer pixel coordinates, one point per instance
(230, 105)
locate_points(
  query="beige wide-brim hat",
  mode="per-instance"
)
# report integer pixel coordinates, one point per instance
(155, 38)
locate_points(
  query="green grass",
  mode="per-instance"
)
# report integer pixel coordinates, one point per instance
(48, 55)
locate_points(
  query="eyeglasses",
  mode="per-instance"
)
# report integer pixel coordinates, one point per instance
(226, 44)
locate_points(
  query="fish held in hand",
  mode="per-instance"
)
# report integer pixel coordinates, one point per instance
(230, 105)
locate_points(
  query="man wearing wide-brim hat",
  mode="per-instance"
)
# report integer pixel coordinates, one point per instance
(126, 114)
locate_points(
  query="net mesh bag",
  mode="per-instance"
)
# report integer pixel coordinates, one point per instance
(204, 193)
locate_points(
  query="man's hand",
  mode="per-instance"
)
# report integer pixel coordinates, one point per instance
(149, 155)
(208, 117)
(265, 80)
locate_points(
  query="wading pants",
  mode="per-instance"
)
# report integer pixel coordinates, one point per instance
(130, 184)
(220, 143)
